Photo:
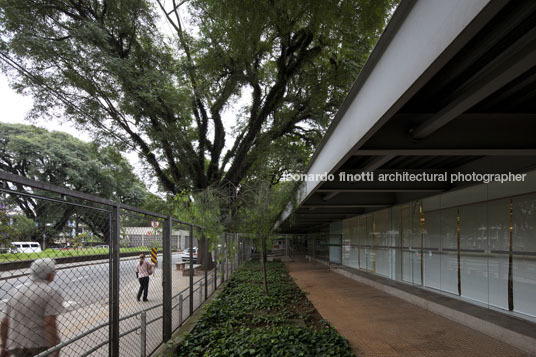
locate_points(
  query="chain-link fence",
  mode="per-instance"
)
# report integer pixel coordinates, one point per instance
(103, 298)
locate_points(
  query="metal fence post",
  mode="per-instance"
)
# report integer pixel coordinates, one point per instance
(180, 309)
(113, 347)
(227, 258)
(166, 279)
(200, 293)
(222, 261)
(143, 334)
(215, 270)
(191, 270)
(205, 268)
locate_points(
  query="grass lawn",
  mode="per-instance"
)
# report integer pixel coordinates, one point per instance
(54, 253)
(243, 321)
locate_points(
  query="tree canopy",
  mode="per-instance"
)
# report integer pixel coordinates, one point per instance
(61, 159)
(108, 66)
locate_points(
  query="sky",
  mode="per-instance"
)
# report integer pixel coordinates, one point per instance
(14, 108)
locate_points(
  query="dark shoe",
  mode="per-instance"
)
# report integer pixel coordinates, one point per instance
(138, 298)
(145, 300)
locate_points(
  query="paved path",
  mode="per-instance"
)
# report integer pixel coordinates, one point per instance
(379, 324)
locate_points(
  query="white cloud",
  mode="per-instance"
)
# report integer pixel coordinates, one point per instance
(15, 107)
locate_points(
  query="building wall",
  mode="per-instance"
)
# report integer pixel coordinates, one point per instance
(147, 236)
(459, 242)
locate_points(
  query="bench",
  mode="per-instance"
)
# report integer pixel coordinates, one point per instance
(180, 266)
(186, 270)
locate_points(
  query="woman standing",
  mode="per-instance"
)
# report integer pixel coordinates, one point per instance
(143, 270)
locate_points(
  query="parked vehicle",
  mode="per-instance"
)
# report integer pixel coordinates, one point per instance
(185, 255)
(25, 247)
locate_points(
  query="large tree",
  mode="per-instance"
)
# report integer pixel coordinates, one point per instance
(108, 66)
(61, 159)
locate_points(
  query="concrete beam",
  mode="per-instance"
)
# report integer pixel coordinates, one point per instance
(446, 152)
(511, 63)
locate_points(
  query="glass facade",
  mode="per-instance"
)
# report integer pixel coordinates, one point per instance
(474, 243)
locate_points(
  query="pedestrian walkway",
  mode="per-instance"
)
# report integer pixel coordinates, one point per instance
(378, 324)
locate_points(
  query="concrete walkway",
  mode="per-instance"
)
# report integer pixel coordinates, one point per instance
(378, 324)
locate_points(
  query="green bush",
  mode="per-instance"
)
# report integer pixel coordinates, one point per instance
(243, 321)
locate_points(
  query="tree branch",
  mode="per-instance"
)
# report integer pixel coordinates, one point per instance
(288, 63)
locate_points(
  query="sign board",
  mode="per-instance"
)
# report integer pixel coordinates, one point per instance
(155, 224)
(148, 233)
(154, 259)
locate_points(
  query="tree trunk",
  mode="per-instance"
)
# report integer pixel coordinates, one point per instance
(203, 255)
(263, 263)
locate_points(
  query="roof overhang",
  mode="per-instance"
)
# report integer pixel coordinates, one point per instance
(450, 87)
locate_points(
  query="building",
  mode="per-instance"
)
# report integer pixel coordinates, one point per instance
(149, 236)
(428, 172)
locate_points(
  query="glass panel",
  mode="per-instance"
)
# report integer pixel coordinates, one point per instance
(524, 284)
(383, 241)
(464, 196)
(346, 239)
(508, 189)
(346, 255)
(473, 247)
(335, 248)
(498, 237)
(350, 257)
(431, 243)
(416, 242)
(407, 266)
(354, 233)
(362, 232)
(369, 241)
(524, 246)
(346, 232)
(449, 246)
(335, 240)
(382, 261)
(354, 241)
(396, 237)
(405, 233)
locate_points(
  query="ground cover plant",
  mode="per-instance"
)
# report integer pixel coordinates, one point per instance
(243, 321)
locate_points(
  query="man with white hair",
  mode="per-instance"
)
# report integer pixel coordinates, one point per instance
(29, 326)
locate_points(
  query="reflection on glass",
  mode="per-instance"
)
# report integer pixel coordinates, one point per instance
(473, 246)
(524, 263)
(431, 243)
(388, 242)
(449, 255)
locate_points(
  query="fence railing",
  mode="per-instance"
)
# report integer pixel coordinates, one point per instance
(96, 244)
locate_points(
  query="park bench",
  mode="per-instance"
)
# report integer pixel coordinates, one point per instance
(186, 270)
